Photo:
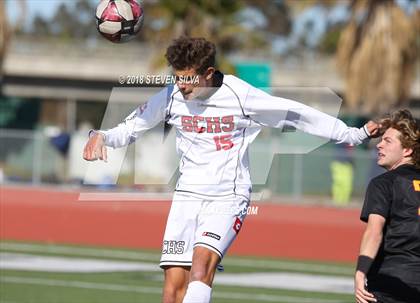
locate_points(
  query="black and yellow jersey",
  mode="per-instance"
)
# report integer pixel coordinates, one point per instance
(395, 195)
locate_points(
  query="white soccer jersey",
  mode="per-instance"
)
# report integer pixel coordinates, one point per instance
(212, 135)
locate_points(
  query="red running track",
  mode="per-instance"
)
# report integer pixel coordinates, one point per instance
(297, 232)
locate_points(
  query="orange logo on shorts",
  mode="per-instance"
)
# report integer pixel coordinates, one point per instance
(237, 225)
(416, 184)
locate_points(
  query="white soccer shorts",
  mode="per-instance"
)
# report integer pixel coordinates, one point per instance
(194, 221)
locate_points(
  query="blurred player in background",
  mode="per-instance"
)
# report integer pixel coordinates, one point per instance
(216, 117)
(390, 249)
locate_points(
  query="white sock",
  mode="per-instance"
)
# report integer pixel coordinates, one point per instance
(197, 292)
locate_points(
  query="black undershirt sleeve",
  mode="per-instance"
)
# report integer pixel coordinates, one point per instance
(378, 199)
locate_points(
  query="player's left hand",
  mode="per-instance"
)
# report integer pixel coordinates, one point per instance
(373, 128)
(95, 148)
(362, 295)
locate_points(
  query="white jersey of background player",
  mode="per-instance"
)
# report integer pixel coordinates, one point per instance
(215, 120)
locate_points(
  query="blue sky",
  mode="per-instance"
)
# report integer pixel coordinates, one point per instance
(42, 7)
(45, 8)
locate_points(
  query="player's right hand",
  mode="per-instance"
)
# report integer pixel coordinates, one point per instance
(95, 148)
(362, 295)
(374, 129)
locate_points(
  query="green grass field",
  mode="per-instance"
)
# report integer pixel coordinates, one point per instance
(19, 286)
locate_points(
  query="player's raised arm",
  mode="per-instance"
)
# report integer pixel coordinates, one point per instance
(140, 120)
(279, 112)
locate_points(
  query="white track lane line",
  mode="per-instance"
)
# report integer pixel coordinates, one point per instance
(132, 255)
(158, 290)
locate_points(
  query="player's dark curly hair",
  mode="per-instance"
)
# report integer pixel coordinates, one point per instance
(186, 52)
(403, 121)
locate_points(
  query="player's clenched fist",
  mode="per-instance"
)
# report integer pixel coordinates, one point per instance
(95, 148)
(374, 129)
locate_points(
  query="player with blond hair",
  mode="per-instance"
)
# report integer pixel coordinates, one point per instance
(389, 257)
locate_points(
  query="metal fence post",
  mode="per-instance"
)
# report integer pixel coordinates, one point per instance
(37, 158)
(297, 176)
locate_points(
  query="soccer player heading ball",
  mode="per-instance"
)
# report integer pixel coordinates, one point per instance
(216, 118)
(390, 249)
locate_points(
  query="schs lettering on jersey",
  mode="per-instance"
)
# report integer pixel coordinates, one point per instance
(201, 124)
(212, 137)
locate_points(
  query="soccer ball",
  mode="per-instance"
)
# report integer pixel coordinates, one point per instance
(119, 20)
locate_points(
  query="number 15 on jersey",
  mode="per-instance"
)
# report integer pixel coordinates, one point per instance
(223, 142)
